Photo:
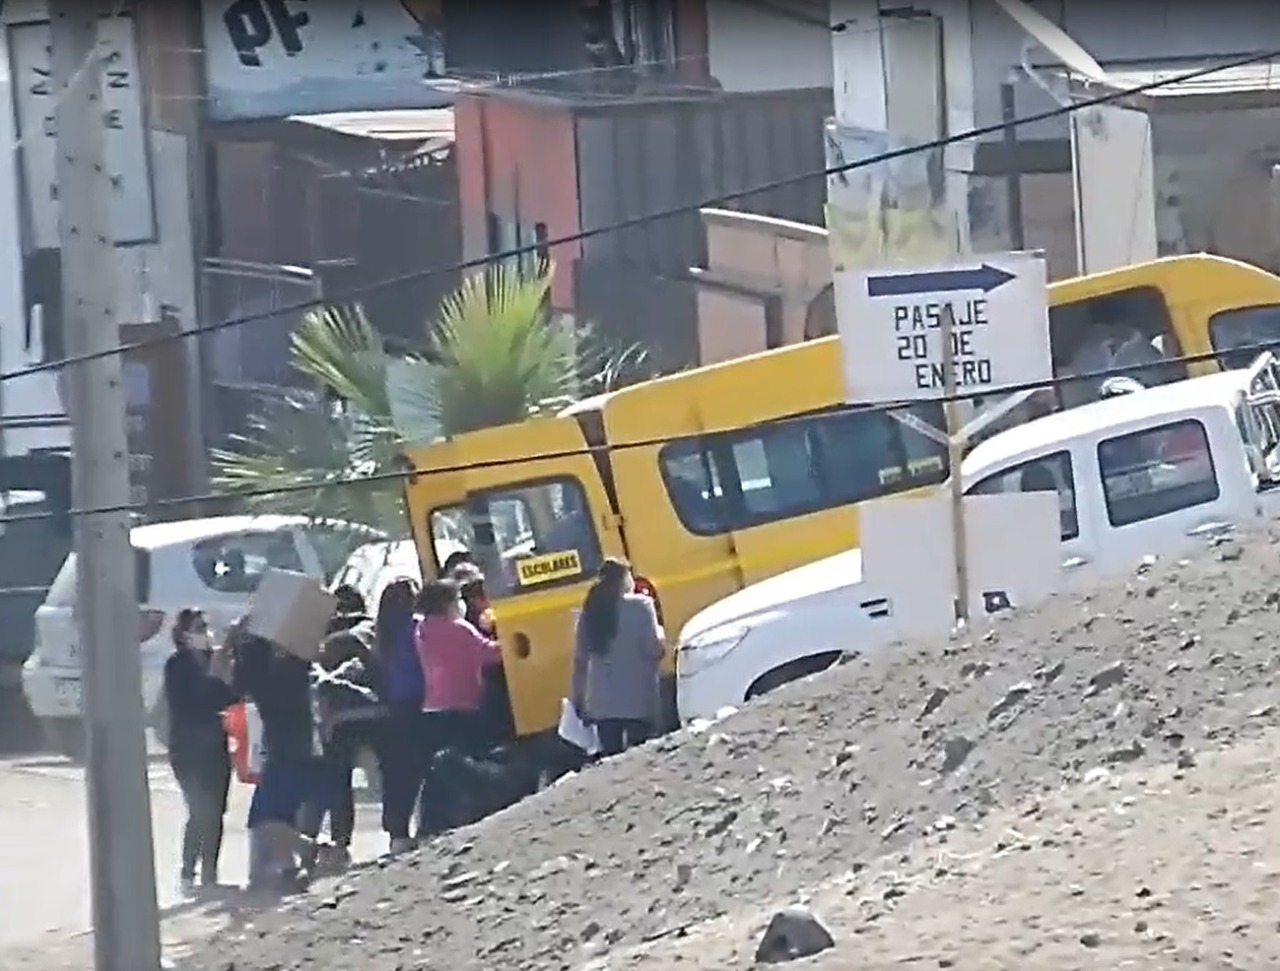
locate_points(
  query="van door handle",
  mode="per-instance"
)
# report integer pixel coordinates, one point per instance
(1075, 562)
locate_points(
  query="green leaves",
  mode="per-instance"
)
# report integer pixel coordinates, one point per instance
(494, 355)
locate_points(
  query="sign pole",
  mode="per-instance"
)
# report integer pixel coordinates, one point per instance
(126, 932)
(955, 455)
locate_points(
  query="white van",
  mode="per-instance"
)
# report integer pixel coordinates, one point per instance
(1142, 474)
(214, 564)
(373, 566)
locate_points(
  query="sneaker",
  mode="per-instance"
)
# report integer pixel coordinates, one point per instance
(187, 887)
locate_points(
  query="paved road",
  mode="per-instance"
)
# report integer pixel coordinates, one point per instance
(44, 884)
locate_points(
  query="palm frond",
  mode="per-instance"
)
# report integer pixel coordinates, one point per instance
(496, 356)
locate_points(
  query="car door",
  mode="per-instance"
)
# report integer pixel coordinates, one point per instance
(1057, 472)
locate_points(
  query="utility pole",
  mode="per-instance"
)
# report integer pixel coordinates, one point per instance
(121, 858)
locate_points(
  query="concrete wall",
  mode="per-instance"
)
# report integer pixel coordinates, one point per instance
(762, 277)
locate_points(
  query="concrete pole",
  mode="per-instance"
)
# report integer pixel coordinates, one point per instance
(122, 865)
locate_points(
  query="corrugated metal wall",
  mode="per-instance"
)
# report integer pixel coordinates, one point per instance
(636, 159)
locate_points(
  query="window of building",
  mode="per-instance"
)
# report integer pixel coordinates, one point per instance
(1052, 473)
(543, 534)
(1156, 471)
(1238, 336)
(235, 563)
(797, 466)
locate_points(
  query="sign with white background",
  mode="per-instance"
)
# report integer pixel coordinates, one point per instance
(30, 56)
(908, 555)
(890, 321)
(275, 58)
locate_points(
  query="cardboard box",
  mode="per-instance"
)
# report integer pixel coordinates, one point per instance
(292, 610)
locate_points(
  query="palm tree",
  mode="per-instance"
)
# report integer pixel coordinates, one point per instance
(494, 356)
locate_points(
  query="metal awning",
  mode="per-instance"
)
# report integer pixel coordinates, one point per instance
(1249, 79)
(1231, 87)
(430, 127)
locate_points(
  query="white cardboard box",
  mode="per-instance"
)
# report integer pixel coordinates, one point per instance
(292, 610)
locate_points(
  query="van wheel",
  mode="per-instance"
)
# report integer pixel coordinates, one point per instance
(65, 736)
(793, 671)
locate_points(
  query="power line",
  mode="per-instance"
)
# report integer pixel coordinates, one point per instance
(353, 294)
(401, 475)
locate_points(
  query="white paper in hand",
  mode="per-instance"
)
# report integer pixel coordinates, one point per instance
(575, 731)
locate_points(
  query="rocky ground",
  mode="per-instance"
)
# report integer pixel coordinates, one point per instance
(905, 767)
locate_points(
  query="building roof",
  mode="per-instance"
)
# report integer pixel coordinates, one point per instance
(430, 125)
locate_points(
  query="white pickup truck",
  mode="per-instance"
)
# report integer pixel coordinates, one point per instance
(1145, 473)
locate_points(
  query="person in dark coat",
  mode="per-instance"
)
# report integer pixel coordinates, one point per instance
(401, 674)
(348, 689)
(196, 691)
(279, 684)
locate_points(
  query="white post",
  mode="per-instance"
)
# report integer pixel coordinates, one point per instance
(125, 915)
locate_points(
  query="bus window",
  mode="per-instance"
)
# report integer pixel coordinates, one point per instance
(694, 484)
(1239, 336)
(1119, 329)
(798, 466)
(534, 551)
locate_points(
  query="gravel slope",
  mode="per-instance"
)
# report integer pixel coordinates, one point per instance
(1081, 880)
(824, 777)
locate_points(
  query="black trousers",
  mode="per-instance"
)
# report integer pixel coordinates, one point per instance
(402, 765)
(619, 734)
(462, 731)
(205, 780)
(336, 799)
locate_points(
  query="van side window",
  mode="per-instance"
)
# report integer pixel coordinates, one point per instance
(235, 563)
(1121, 328)
(1239, 336)
(797, 466)
(1053, 473)
(1156, 471)
(543, 535)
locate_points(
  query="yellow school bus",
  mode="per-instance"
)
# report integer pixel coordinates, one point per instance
(728, 474)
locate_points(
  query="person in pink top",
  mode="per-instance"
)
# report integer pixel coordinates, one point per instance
(454, 657)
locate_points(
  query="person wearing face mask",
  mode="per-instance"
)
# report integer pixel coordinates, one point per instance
(196, 689)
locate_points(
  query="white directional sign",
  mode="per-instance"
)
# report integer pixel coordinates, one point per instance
(890, 321)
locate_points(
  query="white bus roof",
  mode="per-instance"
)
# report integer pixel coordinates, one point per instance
(1168, 401)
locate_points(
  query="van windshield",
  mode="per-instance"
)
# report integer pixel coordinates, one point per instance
(542, 536)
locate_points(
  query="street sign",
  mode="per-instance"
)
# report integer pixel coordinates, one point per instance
(891, 327)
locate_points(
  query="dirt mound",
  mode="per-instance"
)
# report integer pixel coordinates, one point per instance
(824, 777)
(1081, 880)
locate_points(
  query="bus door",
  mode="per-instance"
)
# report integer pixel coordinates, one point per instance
(435, 498)
(539, 529)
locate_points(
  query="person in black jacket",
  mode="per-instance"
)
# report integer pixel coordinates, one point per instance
(348, 690)
(196, 691)
(282, 848)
